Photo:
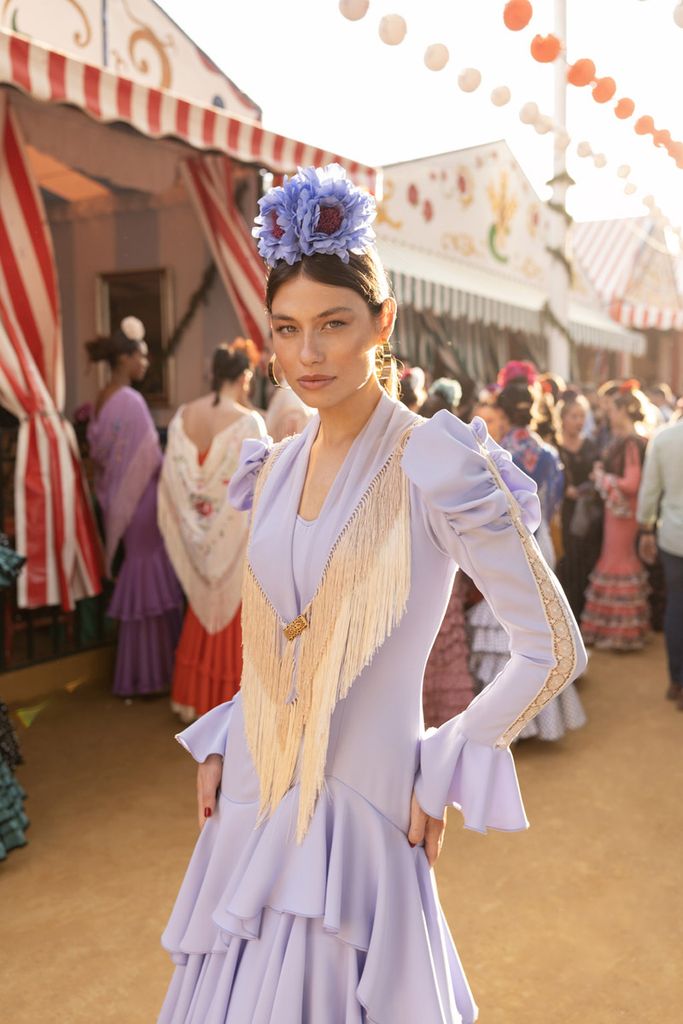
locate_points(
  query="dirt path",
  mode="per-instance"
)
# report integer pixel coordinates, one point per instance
(578, 921)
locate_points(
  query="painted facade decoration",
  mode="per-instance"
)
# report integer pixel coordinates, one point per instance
(474, 205)
(134, 38)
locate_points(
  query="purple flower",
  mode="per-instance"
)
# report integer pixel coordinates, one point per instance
(317, 211)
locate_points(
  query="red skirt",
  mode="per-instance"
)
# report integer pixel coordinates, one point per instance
(208, 667)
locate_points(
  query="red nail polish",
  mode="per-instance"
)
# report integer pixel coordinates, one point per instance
(207, 812)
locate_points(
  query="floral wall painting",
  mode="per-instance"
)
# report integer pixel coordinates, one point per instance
(504, 207)
(473, 206)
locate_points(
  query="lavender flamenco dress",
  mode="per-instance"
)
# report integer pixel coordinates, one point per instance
(147, 598)
(346, 928)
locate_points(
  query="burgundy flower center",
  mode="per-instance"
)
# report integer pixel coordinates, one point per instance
(330, 220)
(277, 230)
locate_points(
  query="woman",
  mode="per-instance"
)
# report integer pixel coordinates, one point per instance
(286, 414)
(309, 897)
(205, 537)
(516, 403)
(581, 510)
(616, 614)
(448, 687)
(124, 447)
(13, 820)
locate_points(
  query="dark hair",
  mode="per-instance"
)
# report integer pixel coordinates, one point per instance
(231, 361)
(110, 349)
(363, 274)
(517, 401)
(626, 396)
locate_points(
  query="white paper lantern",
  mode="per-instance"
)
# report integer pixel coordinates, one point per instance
(623, 171)
(584, 149)
(392, 29)
(562, 138)
(500, 96)
(678, 15)
(543, 124)
(529, 113)
(600, 160)
(630, 188)
(436, 57)
(354, 10)
(469, 80)
(649, 201)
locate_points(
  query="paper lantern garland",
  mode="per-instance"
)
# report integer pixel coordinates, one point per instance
(581, 73)
(517, 14)
(354, 10)
(436, 57)
(392, 29)
(501, 96)
(545, 49)
(469, 80)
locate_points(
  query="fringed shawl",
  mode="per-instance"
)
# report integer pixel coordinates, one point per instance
(295, 672)
(205, 536)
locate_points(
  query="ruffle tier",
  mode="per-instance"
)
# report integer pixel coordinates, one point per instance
(616, 615)
(146, 587)
(13, 820)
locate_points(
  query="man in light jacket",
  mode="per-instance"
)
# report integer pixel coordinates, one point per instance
(660, 514)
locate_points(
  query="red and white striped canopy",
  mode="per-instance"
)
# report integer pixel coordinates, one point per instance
(55, 78)
(630, 268)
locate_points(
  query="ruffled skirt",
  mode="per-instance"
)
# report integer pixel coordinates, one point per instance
(13, 820)
(345, 928)
(208, 667)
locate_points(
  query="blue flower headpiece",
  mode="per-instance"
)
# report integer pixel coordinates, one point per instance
(317, 211)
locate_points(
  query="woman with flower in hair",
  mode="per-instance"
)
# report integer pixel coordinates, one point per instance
(616, 612)
(205, 536)
(124, 447)
(309, 898)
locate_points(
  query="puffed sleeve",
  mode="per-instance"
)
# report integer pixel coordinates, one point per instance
(252, 456)
(208, 735)
(480, 509)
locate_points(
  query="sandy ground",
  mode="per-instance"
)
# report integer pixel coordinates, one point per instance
(578, 921)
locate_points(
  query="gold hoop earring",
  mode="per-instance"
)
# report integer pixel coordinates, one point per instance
(271, 374)
(384, 361)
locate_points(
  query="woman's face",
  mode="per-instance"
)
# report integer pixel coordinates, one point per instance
(137, 364)
(494, 419)
(324, 338)
(573, 420)
(617, 417)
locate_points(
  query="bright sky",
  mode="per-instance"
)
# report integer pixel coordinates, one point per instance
(333, 83)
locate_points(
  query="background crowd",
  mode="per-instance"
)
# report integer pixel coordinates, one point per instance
(607, 461)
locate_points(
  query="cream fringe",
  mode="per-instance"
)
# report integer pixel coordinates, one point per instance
(361, 598)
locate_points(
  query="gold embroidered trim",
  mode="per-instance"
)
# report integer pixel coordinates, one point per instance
(361, 598)
(564, 647)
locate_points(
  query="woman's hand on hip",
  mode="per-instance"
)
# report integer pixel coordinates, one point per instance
(208, 780)
(426, 830)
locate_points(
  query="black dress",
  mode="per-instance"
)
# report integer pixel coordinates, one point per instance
(580, 553)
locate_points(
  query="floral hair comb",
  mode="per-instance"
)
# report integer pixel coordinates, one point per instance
(318, 210)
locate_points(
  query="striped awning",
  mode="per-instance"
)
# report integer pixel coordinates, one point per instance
(593, 328)
(647, 317)
(632, 271)
(53, 77)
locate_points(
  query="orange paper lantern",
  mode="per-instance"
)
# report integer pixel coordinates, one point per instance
(676, 152)
(662, 138)
(644, 125)
(517, 14)
(624, 108)
(581, 73)
(604, 90)
(545, 49)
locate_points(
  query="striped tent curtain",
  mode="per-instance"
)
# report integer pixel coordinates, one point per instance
(54, 525)
(209, 180)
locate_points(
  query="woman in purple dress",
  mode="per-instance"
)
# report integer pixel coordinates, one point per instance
(309, 898)
(124, 447)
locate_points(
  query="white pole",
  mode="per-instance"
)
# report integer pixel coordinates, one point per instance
(559, 357)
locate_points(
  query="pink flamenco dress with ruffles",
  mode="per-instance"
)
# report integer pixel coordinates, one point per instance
(345, 927)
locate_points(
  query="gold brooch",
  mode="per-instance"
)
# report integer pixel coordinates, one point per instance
(296, 627)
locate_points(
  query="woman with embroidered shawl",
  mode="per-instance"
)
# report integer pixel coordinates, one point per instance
(124, 447)
(310, 897)
(205, 536)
